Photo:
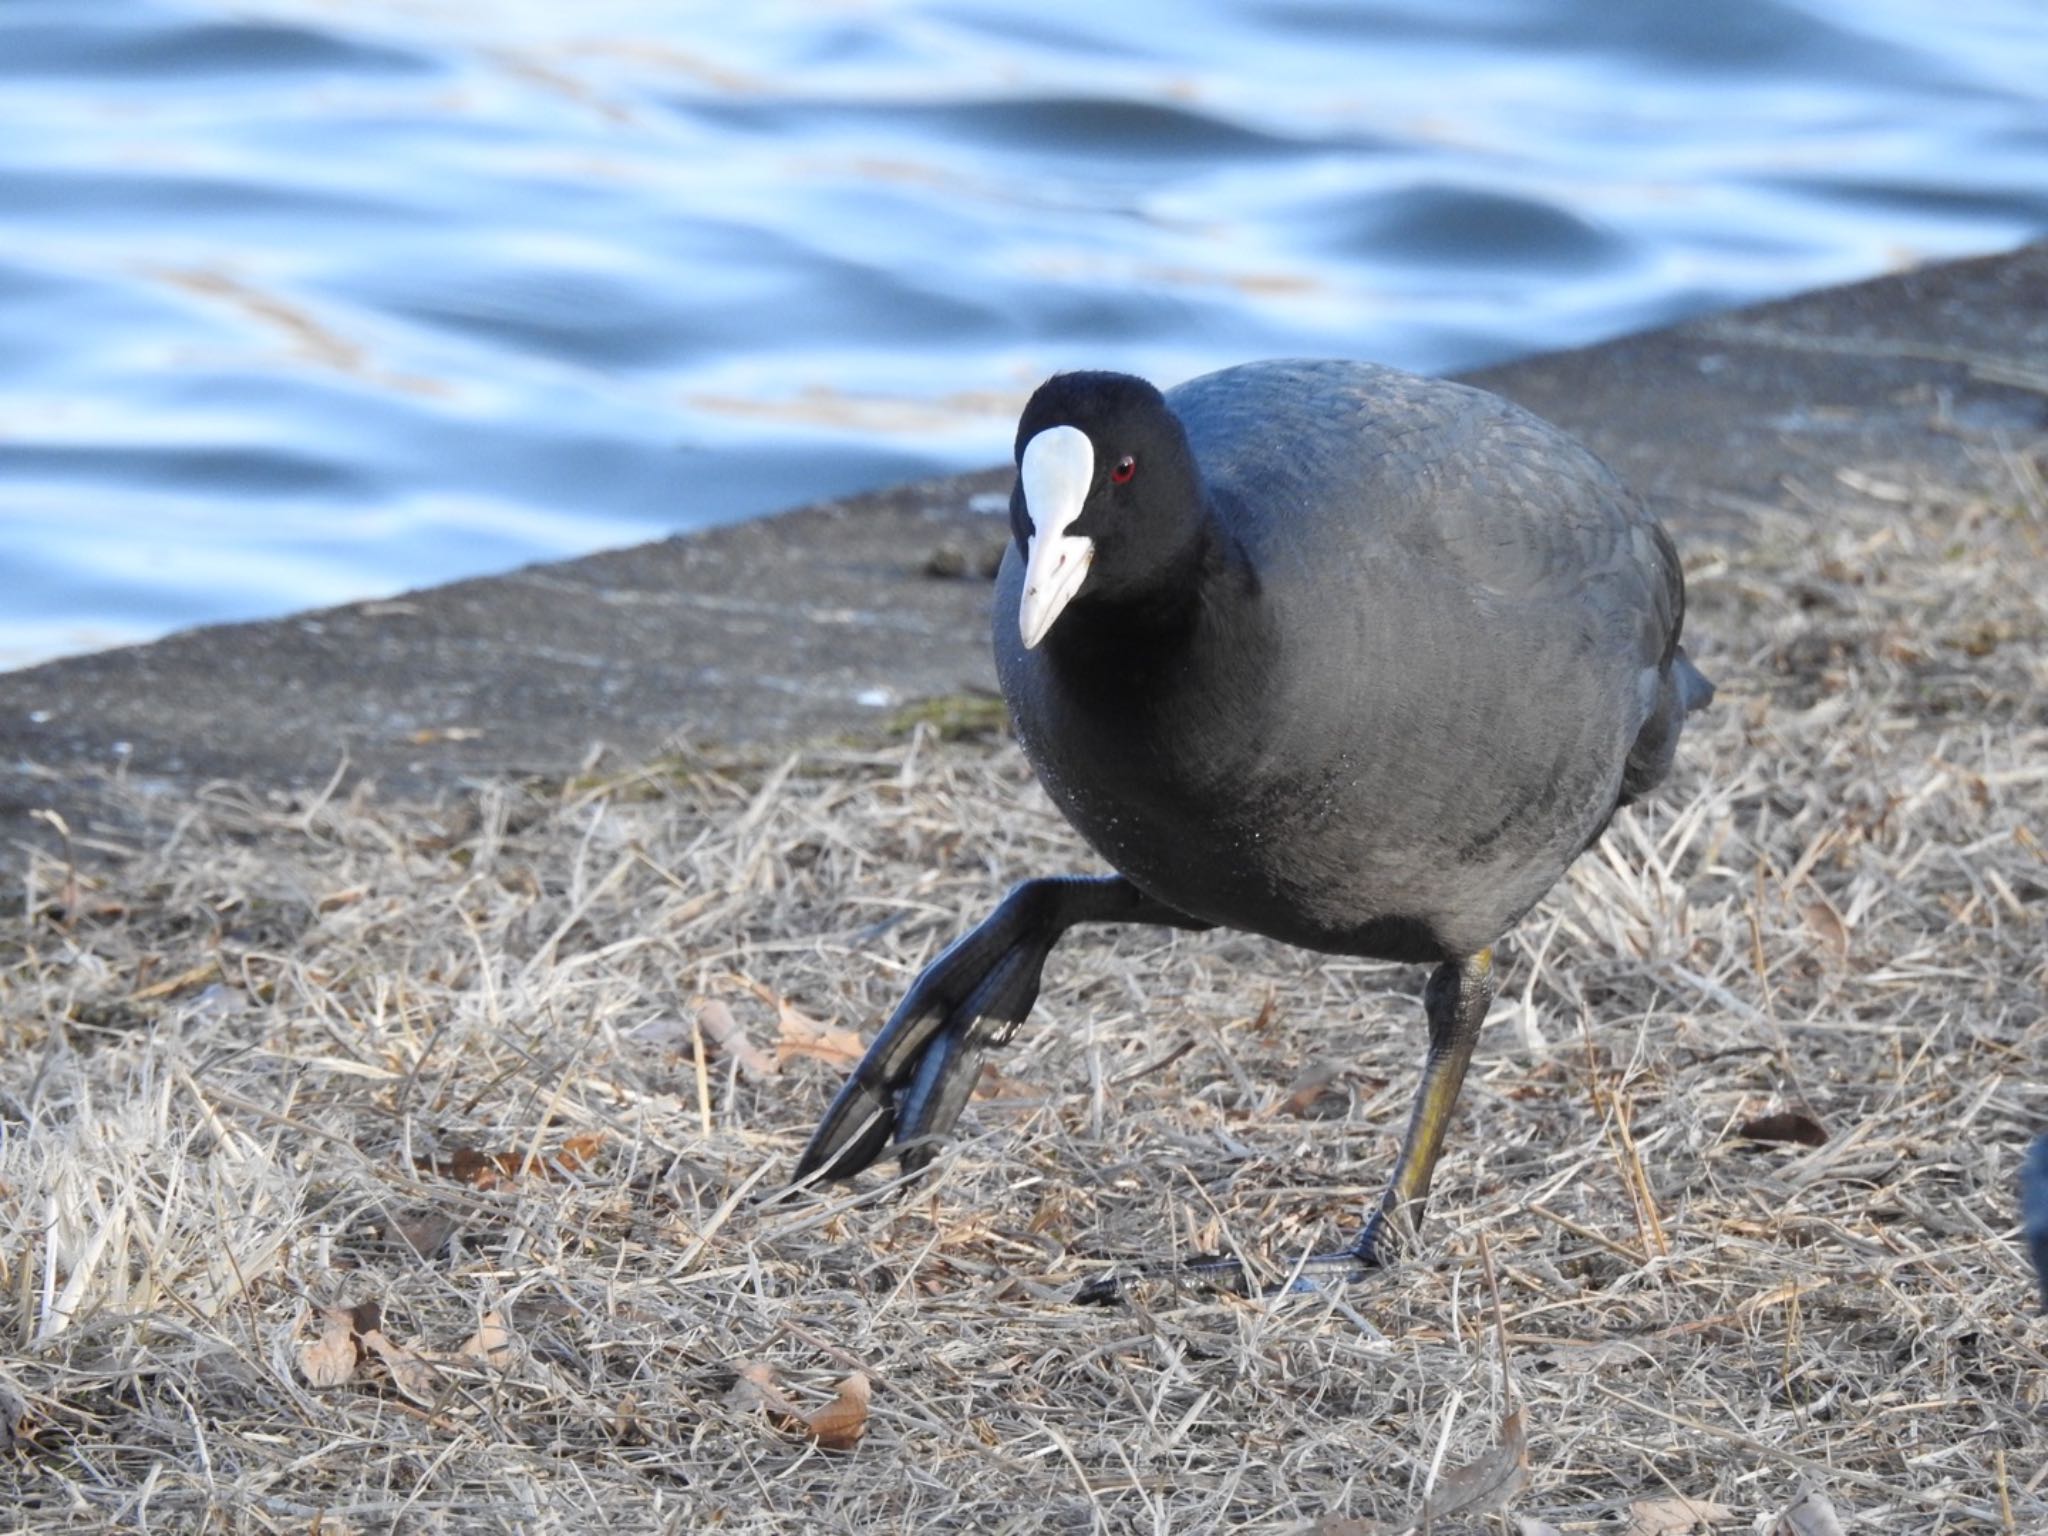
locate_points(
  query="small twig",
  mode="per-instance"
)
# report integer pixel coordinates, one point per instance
(1156, 1064)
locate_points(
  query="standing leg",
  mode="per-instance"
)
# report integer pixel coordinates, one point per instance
(1456, 1000)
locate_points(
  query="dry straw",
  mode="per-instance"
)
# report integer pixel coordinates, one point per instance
(464, 1113)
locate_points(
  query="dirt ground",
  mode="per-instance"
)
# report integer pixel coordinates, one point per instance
(370, 1167)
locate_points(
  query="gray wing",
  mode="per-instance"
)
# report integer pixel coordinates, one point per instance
(1451, 488)
(1495, 617)
(1451, 492)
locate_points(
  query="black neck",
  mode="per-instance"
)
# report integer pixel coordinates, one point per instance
(1141, 628)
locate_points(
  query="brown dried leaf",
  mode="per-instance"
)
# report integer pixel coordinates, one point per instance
(1264, 1021)
(466, 1165)
(578, 1152)
(1828, 927)
(1487, 1483)
(1675, 1517)
(426, 1232)
(992, 1085)
(1810, 1515)
(412, 1373)
(1308, 1087)
(1791, 1125)
(495, 1170)
(328, 1359)
(756, 1389)
(493, 1343)
(728, 1037)
(799, 1036)
(839, 1425)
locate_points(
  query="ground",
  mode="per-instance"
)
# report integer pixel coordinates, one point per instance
(374, 1166)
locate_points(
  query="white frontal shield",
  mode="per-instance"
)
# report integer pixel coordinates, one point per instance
(1057, 468)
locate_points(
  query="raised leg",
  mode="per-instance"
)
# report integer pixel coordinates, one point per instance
(1456, 1000)
(917, 1076)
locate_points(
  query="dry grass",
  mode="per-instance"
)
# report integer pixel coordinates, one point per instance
(288, 1058)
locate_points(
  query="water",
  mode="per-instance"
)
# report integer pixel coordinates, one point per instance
(305, 302)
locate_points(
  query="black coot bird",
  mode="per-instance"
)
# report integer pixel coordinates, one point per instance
(1319, 650)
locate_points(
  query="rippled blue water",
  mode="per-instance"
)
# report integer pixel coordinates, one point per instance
(311, 301)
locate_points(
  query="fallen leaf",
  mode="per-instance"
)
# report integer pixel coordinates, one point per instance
(727, 1036)
(799, 1036)
(495, 1170)
(1487, 1483)
(328, 1359)
(1264, 1021)
(466, 1165)
(839, 1425)
(992, 1085)
(493, 1343)
(757, 1389)
(1828, 927)
(1308, 1087)
(1810, 1515)
(412, 1373)
(1791, 1125)
(425, 1232)
(1674, 1517)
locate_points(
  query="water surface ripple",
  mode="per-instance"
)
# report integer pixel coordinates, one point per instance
(314, 301)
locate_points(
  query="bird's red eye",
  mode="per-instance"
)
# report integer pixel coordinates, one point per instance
(1121, 471)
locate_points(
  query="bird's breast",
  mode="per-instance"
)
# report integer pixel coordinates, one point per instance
(1202, 796)
(1383, 776)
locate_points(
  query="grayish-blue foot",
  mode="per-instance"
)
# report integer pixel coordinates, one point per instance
(921, 1070)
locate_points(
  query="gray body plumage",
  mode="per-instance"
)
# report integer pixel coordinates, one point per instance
(1435, 647)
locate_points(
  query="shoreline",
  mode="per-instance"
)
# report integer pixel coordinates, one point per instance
(827, 620)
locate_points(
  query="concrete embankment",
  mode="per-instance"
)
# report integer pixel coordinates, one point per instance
(835, 617)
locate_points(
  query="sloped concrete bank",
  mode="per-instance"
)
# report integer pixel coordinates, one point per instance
(835, 617)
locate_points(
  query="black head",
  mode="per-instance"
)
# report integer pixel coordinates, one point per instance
(1108, 504)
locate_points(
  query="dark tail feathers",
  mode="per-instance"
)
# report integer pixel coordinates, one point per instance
(1694, 691)
(1681, 689)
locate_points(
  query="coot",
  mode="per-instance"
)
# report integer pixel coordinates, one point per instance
(1320, 650)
